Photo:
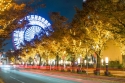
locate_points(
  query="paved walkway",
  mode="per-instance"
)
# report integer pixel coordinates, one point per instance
(117, 73)
(82, 78)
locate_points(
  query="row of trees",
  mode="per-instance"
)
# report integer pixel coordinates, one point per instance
(98, 22)
(104, 21)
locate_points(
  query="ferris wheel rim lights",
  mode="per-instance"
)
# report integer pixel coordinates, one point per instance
(36, 25)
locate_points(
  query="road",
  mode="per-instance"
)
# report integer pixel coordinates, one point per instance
(14, 76)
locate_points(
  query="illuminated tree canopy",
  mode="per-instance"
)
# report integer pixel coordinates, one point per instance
(11, 13)
(98, 22)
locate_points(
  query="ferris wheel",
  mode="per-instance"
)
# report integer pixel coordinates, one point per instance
(36, 27)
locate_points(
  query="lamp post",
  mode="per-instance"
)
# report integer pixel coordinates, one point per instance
(79, 61)
(106, 63)
(12, 51)
(86, 64)
(78, 69)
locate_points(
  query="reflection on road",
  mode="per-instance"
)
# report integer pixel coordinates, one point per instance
(13, 76)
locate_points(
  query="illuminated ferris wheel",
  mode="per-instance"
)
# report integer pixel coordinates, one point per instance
(36, 27)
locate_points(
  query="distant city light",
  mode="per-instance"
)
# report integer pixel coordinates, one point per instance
(84, 0)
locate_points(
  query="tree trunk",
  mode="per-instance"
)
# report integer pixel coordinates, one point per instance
(98, 65)
(47, 62)
(73, 63)
(57, 61)
(123, 61)
(97, 71)
(40, 61)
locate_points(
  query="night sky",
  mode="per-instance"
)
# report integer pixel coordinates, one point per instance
(65, 7)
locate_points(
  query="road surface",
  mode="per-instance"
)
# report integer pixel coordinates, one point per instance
(14, 76)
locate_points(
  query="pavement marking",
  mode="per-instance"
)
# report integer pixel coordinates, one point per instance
(16, 79)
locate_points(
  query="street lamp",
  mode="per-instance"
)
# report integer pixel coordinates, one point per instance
(78, 60)
(106, 63)
(85, 62)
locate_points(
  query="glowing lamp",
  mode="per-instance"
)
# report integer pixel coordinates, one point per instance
(106, 60)
(78, 60)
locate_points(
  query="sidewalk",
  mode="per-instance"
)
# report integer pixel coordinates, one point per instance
(83, 78)
(115, 73)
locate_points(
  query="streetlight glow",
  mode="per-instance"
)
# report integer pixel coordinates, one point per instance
(85, 62)
(106, 60)
(79, 60)
(84, 0)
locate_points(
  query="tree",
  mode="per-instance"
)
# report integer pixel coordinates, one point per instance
(13, 55)
(11, 13)
(91, 26)
(10, 56)
(2, 44)
(60, 35)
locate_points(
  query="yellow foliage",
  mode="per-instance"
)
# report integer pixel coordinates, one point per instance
(12, 59)
(9, 11)
(5, 4)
